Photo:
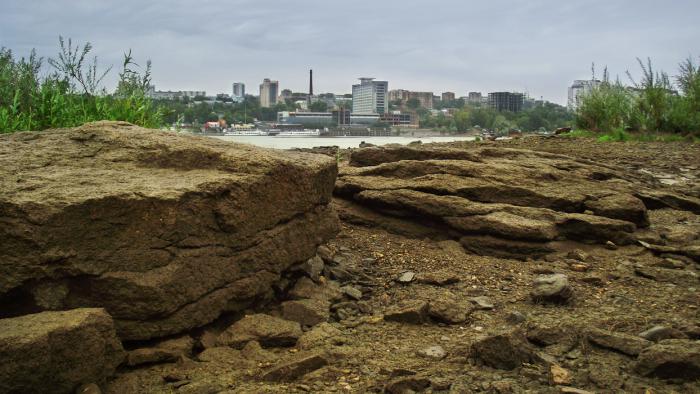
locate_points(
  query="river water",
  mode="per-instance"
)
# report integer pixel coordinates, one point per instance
(341, 142)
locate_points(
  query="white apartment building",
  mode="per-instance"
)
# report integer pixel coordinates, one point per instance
(370, 97)
(578, 89)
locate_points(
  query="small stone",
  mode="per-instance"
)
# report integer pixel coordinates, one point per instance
(414, 312)
(624, 343)
(324, 252)
(352, 292)
(579, 267)
(515, 317)
(658, 333)
(290, 370)
(406, 277)
(552, 288)
(306, 312)
(482, 302)
(433, 352)
(313, 267)
(559, 375)
(449, 311)
(610, 245)
(578, 254)
(572, 390)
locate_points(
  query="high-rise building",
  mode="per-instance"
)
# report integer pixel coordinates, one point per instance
(238, 92)
(268, 93)
(448, 96)
(578, 89)
(370, 97)
(425, 99)
(474, 98)
(506, 101)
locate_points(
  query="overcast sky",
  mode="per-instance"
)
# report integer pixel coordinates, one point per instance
(537, 46)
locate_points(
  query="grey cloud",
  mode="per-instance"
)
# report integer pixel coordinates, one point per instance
(537, 45)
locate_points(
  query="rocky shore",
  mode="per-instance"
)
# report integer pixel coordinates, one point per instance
(135, 261)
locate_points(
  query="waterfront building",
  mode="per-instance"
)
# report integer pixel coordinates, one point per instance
(268, 93)
(425, 99)
(474, 98)
(506, 101)
(396, 118)
(326, 119)
(238, 90)
(448, 96)
(370, 97)
(578, 89)
(173, 95)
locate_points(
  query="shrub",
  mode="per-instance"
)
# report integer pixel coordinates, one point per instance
(71, 95)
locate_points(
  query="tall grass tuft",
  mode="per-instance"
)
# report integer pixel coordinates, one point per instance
(651, 105)
(70, 94)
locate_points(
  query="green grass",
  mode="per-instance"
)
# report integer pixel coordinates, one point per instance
(33, 99)
(651, 108)
(620, 135)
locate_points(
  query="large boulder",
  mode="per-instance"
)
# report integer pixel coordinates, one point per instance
(165, 231)
(57, 351)
(499, 201)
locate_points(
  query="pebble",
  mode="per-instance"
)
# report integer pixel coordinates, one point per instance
(434, 352)
(406, 277)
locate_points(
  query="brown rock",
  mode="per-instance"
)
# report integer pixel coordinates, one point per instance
(253, 351)
(166, 231)
(507, 350)
(291, 370)
(449, 311)
(551, 288)
(318, 336)
(57, 351)
(267, 330)
(305, 288)
(414, 312)
(670, 359)
(624, 343)
(559, 375)
(306, 312)
(658, 333)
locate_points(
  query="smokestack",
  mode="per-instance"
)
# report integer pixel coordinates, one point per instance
(311, 83)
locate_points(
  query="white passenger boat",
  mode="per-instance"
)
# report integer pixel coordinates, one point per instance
(248, 132)
(299, 133)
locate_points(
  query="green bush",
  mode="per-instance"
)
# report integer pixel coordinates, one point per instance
(650, 106)
(70, 95)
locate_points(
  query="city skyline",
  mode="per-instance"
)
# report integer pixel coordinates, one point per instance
(538, 47)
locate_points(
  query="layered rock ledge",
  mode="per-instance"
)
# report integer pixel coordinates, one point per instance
(164, 231)
(496, 201)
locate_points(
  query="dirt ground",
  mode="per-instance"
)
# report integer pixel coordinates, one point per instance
(625, 290)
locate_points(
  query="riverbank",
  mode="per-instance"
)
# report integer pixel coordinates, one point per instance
(546, 265)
